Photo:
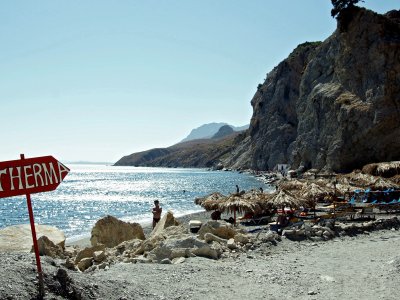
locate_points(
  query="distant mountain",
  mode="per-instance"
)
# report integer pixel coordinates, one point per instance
(223, 132)
(207, 131)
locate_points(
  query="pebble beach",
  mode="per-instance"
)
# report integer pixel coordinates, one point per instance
(364, 266)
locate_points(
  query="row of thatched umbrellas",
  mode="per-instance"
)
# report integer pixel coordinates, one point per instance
(293, 194)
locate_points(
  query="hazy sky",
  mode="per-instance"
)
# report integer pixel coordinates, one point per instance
(96, 80)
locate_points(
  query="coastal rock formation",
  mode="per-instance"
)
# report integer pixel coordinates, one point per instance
(110, 231)
(332, 105)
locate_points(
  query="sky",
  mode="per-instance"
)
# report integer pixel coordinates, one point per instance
(96, 80)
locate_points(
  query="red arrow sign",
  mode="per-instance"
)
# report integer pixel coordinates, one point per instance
(32, 175)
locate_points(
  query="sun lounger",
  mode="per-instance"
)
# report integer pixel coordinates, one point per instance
(256, 220)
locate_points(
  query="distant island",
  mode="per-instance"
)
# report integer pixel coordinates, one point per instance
(331, 105)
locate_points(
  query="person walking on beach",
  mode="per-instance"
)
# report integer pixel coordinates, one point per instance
(237, 189)
(157, 210)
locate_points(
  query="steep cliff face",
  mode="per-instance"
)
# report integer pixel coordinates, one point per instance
(274, 123)
(333, 105)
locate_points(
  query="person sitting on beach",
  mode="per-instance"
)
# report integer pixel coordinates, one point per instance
(157, 210)
(282, 221)
(292, 219)
(216, 215)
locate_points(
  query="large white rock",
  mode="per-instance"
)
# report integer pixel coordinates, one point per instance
(19, 237)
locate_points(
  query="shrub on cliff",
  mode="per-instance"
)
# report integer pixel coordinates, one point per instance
(340, 5)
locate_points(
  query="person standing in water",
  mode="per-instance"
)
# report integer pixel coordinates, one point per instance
(157, 210)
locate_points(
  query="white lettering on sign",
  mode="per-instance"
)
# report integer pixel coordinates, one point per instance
(37, 168)
(49, 175)
(62, 169)
(31, 176)
(27, 175)
(18, 176)
(4, 171)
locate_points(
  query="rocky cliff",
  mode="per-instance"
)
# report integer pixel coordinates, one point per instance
(332, 105)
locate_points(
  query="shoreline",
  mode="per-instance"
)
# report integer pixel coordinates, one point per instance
(202, 216)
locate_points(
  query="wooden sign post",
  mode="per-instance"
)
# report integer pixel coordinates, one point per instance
(28, 176)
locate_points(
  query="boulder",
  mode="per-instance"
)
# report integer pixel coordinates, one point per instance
(110, 231)
(231, 244)
(99, 256)
(166, 261)
(241, 238)
(209, 237)
(88, 252)
(221, 229)
(178, 260)
(128, 246)
(166, 221)
(85, 263)
(186, 247)
(48, 248)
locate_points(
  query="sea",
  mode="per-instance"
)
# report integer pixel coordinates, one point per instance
(90, 192)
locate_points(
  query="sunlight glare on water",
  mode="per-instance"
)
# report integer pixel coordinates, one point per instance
(90, 192)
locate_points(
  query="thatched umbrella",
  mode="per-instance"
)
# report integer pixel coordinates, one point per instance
(252, 201)
(237, 203)
(311, 192)
(357, 179)
(385, 169)
(259, 199)
(284, 198)
(364, 181)
(395, 179)
(292, 185)
(383, 183)
(211, 201)
(388, 169)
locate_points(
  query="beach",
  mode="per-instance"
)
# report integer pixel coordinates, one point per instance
(364, 266)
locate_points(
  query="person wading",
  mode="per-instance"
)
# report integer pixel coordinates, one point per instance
(157, 210)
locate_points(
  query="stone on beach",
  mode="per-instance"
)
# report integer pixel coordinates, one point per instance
(221, 229)
(110, 231)
(88, 252)
(19, 237)
(186, 247)
(166, 221)
(48, 248)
